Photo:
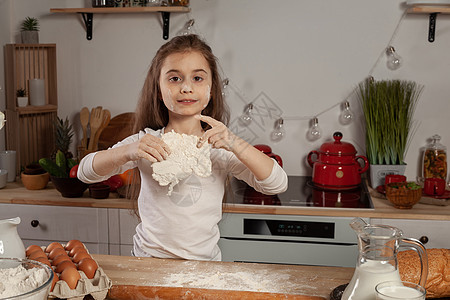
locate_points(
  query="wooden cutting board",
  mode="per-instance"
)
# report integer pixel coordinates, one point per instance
(152, 278)
(119, 127)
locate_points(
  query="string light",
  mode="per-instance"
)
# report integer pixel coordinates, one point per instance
(394, 61)
(314, 132)
(246, 118)
(187, 29)
(346, 116)
(278, 133)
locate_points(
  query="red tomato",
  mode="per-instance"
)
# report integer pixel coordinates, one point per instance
(114, 182)
(73, 172)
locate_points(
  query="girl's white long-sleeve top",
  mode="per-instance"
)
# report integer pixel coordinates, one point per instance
(185, 224)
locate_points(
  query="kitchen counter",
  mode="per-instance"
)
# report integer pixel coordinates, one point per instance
(16, 193)
(144, 278)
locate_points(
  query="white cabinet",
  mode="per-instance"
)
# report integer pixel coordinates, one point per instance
(42, 224)
(122, 227)
(434, 234)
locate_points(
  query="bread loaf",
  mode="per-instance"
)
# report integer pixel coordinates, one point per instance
(438, 280)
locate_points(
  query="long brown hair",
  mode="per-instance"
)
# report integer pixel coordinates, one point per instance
(151, 111)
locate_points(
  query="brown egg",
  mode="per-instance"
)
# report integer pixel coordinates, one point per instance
(55, 252)
(88, 266)
(52, 246)
(59, 258)
(31, 249)
(63, 265)
(72, 243)
(36, 254)
(43, 260)
(79, 256)
(55, 280)
(71, 277)
(76, 249)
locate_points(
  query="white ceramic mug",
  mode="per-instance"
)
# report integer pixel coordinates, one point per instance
(399, 290)
(8, 162)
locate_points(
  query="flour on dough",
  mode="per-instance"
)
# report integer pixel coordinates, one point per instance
(185, 159)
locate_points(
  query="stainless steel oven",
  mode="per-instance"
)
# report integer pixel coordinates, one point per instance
(292, 239)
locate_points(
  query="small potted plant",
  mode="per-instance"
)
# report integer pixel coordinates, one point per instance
(30, 30)
(388, 108)
(22, 99)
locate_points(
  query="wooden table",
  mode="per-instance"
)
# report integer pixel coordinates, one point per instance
(149, 278)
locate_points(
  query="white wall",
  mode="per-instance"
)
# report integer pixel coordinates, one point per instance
(303, 56)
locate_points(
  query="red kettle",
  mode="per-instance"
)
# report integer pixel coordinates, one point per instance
(337, 165)
(268, 151)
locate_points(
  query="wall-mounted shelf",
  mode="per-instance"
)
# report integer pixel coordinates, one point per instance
(433, 11)
(88, 14)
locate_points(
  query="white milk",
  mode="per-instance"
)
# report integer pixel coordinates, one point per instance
(366, 277)
(400, 292)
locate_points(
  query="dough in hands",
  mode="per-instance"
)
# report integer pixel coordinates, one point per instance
(185, 159)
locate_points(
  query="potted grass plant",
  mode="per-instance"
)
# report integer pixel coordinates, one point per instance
(22, 99)
(388, 108)
(30, 30)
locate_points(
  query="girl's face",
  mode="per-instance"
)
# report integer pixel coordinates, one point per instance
(185, 83)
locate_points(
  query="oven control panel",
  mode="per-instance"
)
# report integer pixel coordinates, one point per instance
(289, 228)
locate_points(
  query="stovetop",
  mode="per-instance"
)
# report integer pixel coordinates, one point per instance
(301, 192)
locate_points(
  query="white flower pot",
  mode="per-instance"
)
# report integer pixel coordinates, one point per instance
(22, 101)
(30, 37)
(378, 173)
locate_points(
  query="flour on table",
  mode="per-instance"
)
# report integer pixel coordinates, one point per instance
(18, 280)
(185, 159)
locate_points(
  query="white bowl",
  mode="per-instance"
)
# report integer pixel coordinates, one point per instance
(39, 292)
(3, 178)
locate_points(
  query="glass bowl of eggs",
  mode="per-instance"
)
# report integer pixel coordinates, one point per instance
(24, 279)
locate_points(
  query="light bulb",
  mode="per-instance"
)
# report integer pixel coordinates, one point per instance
(394, 61)
(225, 84)
(246, 117)
(346, 116)
(278, 133)
(314, 132)
(187, 29)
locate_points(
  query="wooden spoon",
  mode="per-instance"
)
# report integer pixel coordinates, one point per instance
(84, 119)
(95, 122)
(106, 118)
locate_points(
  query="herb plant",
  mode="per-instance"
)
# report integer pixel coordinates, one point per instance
(388, 108)
(21, 93)
(30, 24)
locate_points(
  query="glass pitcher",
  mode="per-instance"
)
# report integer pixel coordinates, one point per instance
(377, 260)
(10, 243)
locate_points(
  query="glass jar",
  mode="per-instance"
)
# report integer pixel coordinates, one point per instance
(435, 159)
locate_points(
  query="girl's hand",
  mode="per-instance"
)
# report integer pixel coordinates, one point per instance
(149, 147)
(219, 136)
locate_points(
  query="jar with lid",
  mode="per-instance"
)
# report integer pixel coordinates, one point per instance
(435, 159)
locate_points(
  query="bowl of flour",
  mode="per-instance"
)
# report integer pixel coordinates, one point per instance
(24, 279)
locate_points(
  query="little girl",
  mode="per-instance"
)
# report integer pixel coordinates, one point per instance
(182, 93)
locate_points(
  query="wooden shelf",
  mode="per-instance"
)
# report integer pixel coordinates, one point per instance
(429, 9)
(116, 10)
(37, 109)
(433, 11)
(88, 14)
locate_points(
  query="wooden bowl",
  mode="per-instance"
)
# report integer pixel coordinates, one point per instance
(99, 191)
(69, 187)
(401, 196)
(35, 181)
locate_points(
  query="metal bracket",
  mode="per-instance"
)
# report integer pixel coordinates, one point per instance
(165, 18)
(88, 18)
(432, 27)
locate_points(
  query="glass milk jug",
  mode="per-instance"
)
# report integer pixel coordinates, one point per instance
(377, 260)
(10, 243)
